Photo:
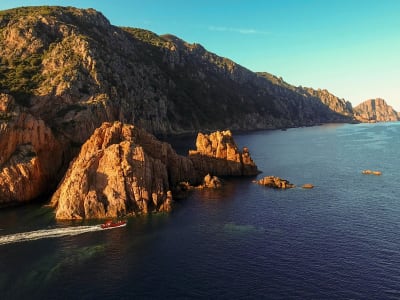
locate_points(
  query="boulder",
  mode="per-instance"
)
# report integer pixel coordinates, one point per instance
(211, 182)
(275, 182)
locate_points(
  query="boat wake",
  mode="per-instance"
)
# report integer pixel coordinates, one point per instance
(47, 233)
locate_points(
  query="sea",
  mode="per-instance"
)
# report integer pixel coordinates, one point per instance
(339, 240)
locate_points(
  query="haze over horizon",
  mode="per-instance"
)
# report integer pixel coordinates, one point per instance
(347, 47)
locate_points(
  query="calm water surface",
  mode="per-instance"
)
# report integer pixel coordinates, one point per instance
(339, 240)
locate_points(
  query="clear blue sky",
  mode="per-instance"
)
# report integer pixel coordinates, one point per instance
(350, 47)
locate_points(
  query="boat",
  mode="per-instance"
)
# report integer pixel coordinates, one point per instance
(111, 224)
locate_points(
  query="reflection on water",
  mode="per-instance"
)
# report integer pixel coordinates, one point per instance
(50, 268)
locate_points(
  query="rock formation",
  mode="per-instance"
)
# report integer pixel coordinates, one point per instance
(211, 182)
(375, 110)
(30, 155)
(275, 182)
(121, 170)
(124, 170)
(218, 154)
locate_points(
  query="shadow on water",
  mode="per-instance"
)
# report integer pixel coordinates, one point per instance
(242, 229)
(36, 275)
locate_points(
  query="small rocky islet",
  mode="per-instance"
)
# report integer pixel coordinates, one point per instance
(280, 183)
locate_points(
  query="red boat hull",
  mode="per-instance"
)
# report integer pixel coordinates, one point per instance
(111, 224)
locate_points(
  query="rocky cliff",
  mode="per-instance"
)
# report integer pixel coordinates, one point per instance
(31, 156)
(342, 108)
(336, 104)
(375, 110)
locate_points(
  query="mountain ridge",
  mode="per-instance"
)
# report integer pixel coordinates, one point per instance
(77, 56)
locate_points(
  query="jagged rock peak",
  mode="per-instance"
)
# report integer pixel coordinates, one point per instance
(375, 110)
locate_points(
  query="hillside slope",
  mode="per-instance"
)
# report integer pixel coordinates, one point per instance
(74, 70)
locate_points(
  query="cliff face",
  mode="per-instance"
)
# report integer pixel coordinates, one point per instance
(308, 101)
(375, 110)
(31, 157)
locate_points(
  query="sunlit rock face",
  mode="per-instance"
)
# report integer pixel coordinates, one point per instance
(121, 170)
(375, 110)
(30, 154)
(218, 154)
(275, 182)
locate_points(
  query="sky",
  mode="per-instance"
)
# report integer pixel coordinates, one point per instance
(349, 47)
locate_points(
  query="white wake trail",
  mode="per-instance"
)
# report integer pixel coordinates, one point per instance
(46, 233)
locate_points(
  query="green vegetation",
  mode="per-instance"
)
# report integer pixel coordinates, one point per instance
(277, 80)
(21, 76)
(147, 36)
(26, 11)
(37, 10)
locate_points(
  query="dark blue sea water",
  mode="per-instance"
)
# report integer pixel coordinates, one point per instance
(340, 240)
